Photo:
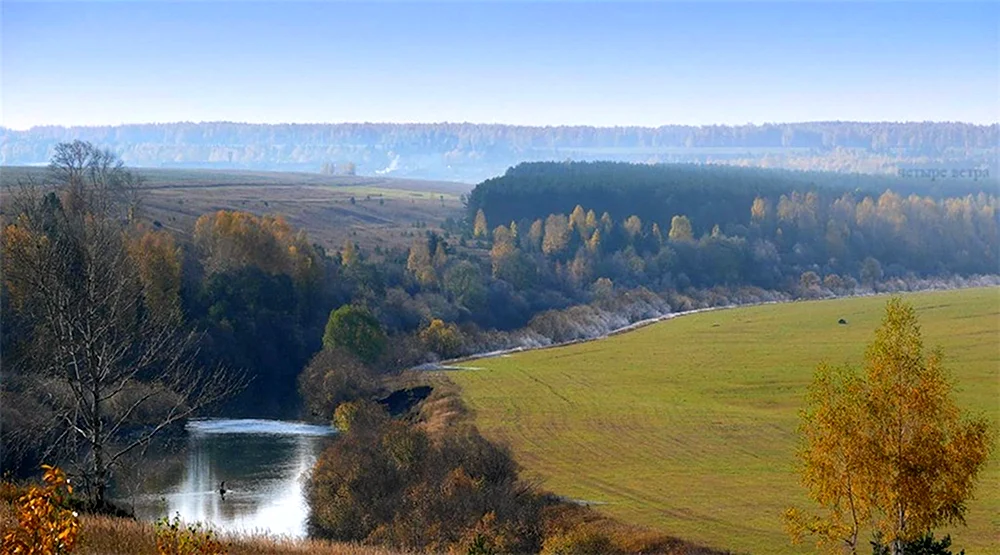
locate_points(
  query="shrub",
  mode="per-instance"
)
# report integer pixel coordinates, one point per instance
(389, 482)
(173, 537)
(579, 541)
(332, 377)
(355, 329)
(443, 339)
(45, 524)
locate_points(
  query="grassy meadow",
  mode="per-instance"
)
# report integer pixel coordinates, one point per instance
(689, 426)
(385, 211)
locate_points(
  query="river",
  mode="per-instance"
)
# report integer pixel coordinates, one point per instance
(262, 463)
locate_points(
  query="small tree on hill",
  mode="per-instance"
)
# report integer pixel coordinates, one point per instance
(355, 329)
(889, 449)
(680, 229)
(479, 227)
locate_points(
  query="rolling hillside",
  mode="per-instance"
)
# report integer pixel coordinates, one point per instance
(688, 426)
(385, 211)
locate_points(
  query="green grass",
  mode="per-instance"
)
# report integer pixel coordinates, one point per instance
(688, 426)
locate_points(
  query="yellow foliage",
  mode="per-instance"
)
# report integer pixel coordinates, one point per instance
(232, 240)
(594, 244)
(535, 233)
(680, 229)
(479, 228)
(421, 264)
(45, 526)
(175, 538)
(760, 209)
(578, 222)
(503, 246)
(441, 338)
(20, 249)
(557, 234)
(633, 226)
(606, 222)
(349, 253)
(887, 450)
(158, 259)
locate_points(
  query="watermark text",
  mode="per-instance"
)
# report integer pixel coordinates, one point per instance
(934, 174)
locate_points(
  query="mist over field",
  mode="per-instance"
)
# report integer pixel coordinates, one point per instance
(473, 152)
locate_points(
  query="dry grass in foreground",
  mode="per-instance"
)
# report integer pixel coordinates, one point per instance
(103, 535)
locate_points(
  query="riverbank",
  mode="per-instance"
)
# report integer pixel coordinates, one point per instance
(103, 535)
(887, 289)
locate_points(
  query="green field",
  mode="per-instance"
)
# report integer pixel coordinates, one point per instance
(688, 426)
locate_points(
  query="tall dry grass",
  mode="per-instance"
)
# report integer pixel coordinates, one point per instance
(103, 535)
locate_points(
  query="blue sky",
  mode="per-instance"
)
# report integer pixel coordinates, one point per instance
(597, 63)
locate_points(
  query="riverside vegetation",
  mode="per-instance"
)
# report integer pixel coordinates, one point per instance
(248, 316)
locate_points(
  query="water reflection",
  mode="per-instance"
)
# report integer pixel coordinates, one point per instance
(262, 463)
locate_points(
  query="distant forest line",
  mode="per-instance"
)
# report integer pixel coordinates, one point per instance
(473, 152)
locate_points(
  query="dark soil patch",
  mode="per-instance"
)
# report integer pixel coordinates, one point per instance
(400, 402)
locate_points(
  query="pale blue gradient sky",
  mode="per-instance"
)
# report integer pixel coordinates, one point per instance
(499, 62)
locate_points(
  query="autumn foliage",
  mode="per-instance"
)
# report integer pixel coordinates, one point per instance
(887, 450)
(233, 240)
(174, 537)
(45, 523)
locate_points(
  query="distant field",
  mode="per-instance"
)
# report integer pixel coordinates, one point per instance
(688, 426)
(320, 204)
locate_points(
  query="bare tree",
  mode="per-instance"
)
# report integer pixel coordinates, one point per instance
(111, 373)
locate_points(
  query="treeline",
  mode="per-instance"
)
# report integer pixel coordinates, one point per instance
(926, 137)
(707, 194)
(475, 151)
(672, 227)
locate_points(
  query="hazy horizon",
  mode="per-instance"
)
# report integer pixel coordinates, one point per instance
(525, 64)
(480, 123)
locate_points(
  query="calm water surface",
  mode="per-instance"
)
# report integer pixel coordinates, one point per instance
(262, 463)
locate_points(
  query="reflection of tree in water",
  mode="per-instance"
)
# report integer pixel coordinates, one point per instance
(158, 469)
(261, 472)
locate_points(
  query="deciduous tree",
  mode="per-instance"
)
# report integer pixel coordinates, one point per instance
(680, 229)
(479, 226)
(355, 329)
(107, 370)
(557, 234)
(888, 450)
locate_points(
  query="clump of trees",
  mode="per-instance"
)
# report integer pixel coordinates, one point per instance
(887, 449)
(388, 482)
(96, 364)
(313, 328)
